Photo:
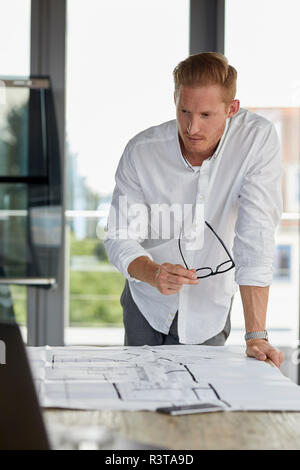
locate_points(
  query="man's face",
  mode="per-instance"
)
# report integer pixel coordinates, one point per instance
(201, 118)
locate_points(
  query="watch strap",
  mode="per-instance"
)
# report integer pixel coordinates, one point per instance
(256, 335)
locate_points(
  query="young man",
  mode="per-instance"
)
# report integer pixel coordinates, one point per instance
(225, 161)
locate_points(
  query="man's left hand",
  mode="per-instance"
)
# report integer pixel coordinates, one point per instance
(262, 350)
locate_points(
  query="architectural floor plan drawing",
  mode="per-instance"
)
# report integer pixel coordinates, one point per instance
(149, 378)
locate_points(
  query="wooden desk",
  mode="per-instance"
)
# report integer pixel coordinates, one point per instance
(210, 431)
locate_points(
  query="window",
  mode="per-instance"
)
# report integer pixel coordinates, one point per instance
(120, 58)
(29, 182)
(269, 84)
(15, 61)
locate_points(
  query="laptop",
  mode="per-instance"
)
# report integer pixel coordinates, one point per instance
(21, 422)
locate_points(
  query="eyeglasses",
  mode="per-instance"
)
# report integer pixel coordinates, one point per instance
(207, 271)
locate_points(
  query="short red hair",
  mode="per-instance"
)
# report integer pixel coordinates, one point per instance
(207, 68)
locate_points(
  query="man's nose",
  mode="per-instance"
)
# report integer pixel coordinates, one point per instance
(194, 126)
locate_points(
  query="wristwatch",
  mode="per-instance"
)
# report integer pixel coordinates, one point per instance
(257, 335)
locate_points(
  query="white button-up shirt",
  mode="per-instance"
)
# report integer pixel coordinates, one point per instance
(240, 189)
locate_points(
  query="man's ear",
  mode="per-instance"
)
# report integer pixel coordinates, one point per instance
(233, 108)
(175, 97)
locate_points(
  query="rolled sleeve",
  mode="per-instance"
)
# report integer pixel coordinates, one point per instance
(254, 276)
(122, 252)
(122, 244)
(259, 213)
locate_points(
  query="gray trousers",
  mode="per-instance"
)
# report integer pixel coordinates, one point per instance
(138, 332)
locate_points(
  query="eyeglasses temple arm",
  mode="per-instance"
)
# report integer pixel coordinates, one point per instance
(222, 243)
(182, 254)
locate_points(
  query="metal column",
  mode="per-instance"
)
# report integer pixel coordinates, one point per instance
(45, 308)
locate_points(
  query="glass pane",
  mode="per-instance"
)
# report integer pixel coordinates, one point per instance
(19, 297)
(99, 303)
(22, 136)
(14, 132)
(13, 301)
(15, 61)
(13, 230)
(119, 82)
(269, 84)
(29, 235)
(30, 190)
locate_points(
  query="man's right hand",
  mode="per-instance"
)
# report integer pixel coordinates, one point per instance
(167, 278)
(170, 278)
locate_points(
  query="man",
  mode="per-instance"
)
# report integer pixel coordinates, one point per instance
(224, 160)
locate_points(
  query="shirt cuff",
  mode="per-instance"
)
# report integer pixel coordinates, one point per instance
(127, 263)
(261, 276)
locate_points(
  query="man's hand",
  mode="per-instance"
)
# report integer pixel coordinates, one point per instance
(262, 350)
(167, 278)
(170, 278)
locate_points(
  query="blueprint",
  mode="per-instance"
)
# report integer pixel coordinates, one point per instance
(149, 378)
